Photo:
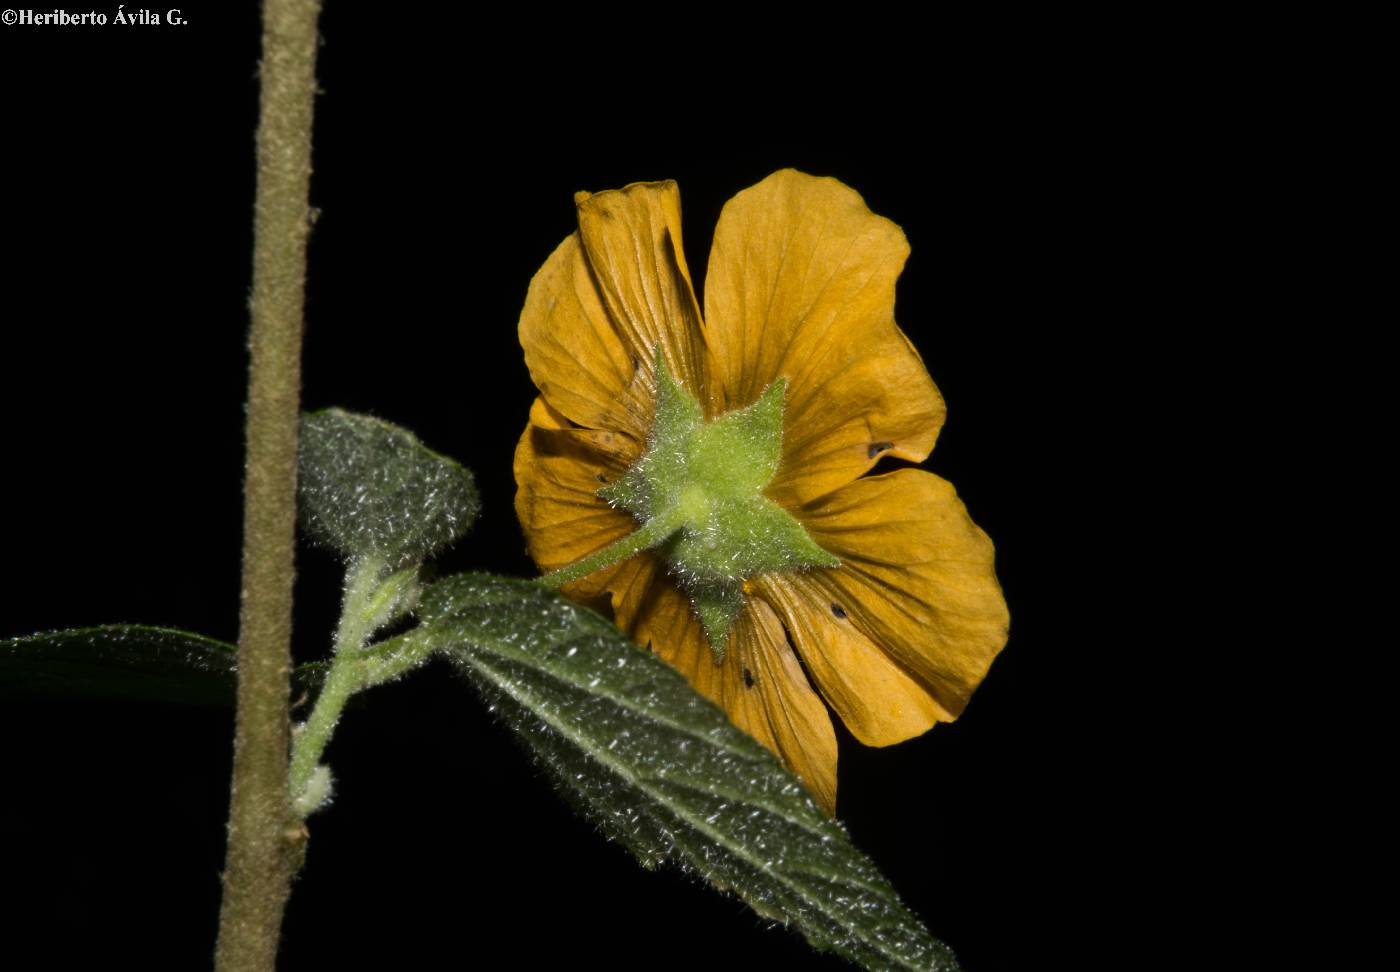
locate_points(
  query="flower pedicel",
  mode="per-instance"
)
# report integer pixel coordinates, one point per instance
(703, 477)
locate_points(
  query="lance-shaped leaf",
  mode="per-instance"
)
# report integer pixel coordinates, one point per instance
(369, 488)
(663, 771)
(130, 661)
(122, 660)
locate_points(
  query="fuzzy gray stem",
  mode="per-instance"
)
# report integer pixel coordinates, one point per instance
(266, 841)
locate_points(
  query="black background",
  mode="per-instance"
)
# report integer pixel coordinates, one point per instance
(1047, 292)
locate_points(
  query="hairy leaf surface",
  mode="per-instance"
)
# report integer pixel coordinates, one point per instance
(370, 488)
(664, 772)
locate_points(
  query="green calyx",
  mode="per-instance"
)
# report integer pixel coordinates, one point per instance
(698, 494)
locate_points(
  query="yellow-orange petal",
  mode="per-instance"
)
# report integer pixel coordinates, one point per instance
(627, 585)
(916, 578)
(576, 358)
(632, 239)
(558, 470)
(880, 703)
(773, 701)
(760, 684)
(801, 285)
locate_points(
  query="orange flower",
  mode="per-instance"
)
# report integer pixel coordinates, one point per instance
(800, 287)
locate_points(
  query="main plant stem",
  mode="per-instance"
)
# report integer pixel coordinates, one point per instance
(266, 841)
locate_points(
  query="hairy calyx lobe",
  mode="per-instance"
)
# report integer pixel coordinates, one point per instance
(701, 484)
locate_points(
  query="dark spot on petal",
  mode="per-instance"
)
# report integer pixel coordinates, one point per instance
(648, 644)
(601, 478)
(748, 679)
(605, 213)
(636, 362)
(875, 448)
(838, 610)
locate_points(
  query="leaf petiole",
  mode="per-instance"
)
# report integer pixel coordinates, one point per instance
(369, 604)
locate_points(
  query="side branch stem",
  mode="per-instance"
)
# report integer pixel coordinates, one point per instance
(347, 674)
(266, 841)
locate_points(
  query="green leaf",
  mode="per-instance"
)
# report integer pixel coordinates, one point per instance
(663, 770)
(130, 661)
(371, 488)
(123, 661)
